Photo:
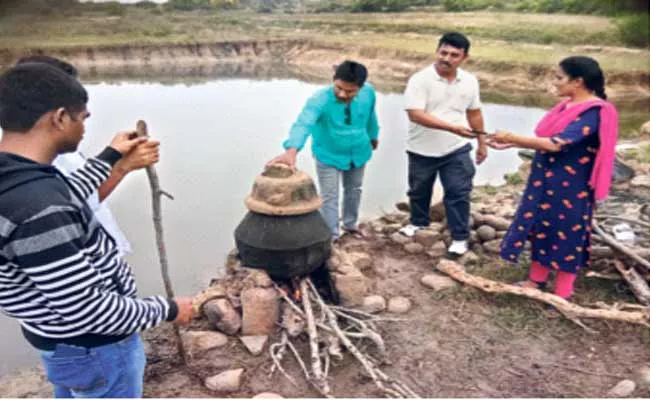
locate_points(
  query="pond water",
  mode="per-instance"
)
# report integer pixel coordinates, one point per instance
(216, 137)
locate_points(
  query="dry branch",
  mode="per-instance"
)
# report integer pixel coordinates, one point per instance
(156, 193)
(630, 220)
(620, 247)
(638, 285)
(319, 378)
(571, 311)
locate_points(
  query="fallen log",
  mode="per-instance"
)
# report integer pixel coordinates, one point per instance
(570, 310)
(609, 252)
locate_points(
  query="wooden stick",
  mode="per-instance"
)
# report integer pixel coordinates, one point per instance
(608, 252)
(620, 247)
(572, 311)
(156, 193)
(638, 285)
(319, 378)
(630, 220)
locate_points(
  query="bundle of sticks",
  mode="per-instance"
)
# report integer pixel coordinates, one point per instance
(331, 330)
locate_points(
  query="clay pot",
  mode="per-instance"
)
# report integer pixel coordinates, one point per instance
(283, 233)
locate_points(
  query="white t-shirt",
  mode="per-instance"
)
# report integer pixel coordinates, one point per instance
(70, 162)
(448, 101)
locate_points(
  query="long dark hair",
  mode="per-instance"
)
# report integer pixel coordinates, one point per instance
(588, 69)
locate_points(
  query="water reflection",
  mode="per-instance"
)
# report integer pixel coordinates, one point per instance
(216, 137)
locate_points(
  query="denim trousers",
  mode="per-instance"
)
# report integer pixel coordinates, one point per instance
(329, 181)
(456, 172)
(115, 370)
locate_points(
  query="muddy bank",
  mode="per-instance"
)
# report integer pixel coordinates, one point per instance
(313, 60)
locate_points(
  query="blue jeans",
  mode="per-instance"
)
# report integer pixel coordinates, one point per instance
(456, 174)
(115, 370)
(329, 182)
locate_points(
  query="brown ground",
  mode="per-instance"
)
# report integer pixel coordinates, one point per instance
(458, 343)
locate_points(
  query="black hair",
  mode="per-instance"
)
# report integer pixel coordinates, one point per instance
(588, 69)
(351, 71)
(29, 90)
(455, 39)
(55, 62)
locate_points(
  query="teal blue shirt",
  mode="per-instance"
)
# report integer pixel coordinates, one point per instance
(334, 142)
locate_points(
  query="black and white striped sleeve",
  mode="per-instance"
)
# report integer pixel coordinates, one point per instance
(94, 172)
(49, 247)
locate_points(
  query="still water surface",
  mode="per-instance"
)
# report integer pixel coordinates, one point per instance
(216, 137)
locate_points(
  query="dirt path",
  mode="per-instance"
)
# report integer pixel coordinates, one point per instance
(455, 343)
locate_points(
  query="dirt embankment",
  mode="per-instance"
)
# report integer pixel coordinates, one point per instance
(389, 68)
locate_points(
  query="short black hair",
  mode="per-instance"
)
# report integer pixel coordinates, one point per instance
(351, 71)
(455, 39)
(55, 62)
(30, 90)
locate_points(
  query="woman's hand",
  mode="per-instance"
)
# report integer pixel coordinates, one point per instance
(501, 137)
(499, 146)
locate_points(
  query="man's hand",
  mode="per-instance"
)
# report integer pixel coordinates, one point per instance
(481, 153)
(125, 141)
(463, 131)
(185, 310)
(143, 155)
(374, 143)
(287, 158)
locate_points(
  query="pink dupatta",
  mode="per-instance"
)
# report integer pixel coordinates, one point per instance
(559, 117)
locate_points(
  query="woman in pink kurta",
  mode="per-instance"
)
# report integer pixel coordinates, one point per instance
(572, 169)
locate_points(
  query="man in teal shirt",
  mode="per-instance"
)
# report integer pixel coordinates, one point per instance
(342, 121)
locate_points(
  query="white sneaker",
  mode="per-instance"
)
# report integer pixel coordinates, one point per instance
(410, 229)
(458, 247)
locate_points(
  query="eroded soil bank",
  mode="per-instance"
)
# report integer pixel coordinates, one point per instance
(313, 60)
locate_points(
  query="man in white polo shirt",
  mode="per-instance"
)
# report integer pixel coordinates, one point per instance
(444, 107)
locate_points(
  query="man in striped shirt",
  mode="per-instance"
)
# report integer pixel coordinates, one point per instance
(61, 274)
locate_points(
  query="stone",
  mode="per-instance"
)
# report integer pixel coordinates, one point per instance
(397, 217)
(201, 341)
(437, 212)
(399, 305)
(373, 304)
(486, 233)
(403, 206)
(438, 282)
(473, 238)
(228, 381)
(391, 228)
(267, 395)
(498, 223)
(360, 260)
(501, 234)
(622, 389)
(426, 237)
(334, 262)
(438, 249)
(222, 316)
(643, 377)
(477, 248)
(413, 248)
(436, 227)
(645, 128)
(260, 278)
(641, 181)
(493, 246)
(399, 238)
(352, 286)
(254, 344)
(260, 311)
(469, 258)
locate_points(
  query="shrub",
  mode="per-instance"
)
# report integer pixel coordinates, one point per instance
(634, 30)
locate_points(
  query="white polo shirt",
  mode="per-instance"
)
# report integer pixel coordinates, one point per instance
(448, 101)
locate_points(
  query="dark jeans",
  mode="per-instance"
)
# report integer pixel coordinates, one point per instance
(456, 173)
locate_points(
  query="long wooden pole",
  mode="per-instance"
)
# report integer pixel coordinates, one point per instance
(156, 194)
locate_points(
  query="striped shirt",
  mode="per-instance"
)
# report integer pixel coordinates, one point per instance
(61, 274)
